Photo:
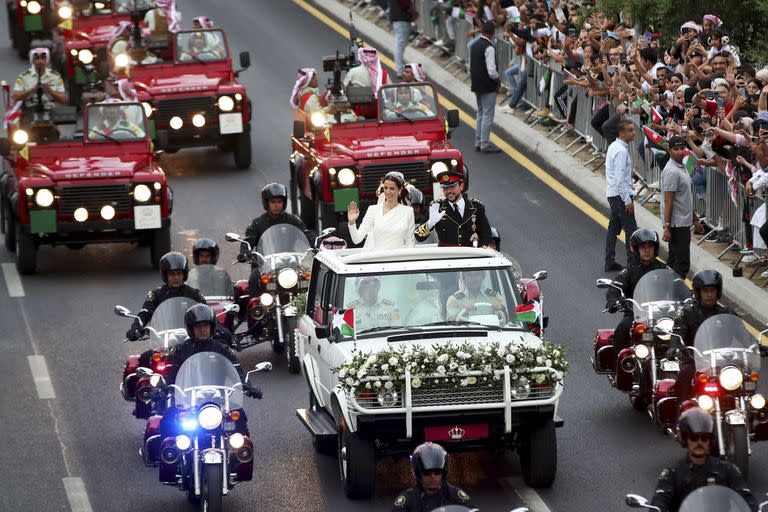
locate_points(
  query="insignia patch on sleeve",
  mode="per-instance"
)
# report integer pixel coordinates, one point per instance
(463, 496)
(664, 474)
(400, 501)
(151, 296)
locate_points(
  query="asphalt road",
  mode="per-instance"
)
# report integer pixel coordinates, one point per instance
(605, 449)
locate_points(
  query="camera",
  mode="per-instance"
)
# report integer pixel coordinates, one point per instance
(571, 32)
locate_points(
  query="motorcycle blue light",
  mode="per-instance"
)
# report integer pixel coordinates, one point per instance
(189, 424)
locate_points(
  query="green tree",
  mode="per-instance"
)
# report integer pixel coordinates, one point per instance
(745, 21)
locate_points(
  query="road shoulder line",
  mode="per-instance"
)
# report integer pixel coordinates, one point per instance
(78, 498)
(41, 377)
(12, 280)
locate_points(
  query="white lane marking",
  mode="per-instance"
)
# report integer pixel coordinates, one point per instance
(78, 498)
(41, 377)
(531, 498)
(12, 280)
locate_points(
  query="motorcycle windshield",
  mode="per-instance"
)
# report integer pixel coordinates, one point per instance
(169, 316)
(658, 294)
(212, 281)
(723, 340)
(714, 498)
(208, 377)
(283, 245)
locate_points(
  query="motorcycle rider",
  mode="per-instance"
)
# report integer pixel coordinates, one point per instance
(205, 252)
(274, 199)
(698, 468)
(429, 464)
(644, 243)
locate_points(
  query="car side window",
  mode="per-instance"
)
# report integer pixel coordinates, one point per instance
(315, 293)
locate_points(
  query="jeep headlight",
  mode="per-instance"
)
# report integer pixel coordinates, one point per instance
(176, 122)
(34, 7)
(387, 398)
(731, 378)
(65, 12)
(438, 167)
(147, 108)
(85, 56)
(642, 351)
(210, 417)
(44, 198)
(317, 119)
(121, 60)
(287, 278)
(226, 103)
(20, 137)
(141, 193)
(346, 176)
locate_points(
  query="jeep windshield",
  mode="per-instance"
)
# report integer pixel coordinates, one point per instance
(115, 122)
(95, 7)
(407, 102)
(200, 46)
(470, 298)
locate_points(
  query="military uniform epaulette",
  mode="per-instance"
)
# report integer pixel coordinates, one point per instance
(623, 272)
(353, 304)
(459, 295)
(387, 302)
(490, 292)
(475, 200)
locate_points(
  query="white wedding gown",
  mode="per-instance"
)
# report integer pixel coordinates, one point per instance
(391, 230)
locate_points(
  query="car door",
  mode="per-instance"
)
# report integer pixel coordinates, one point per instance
(317, 314)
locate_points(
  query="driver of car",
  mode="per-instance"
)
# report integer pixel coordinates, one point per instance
(404, 101)
(471, 292)
(371, 310)
(198, 46)
(121, 43)
(113, 125)
(25, 86)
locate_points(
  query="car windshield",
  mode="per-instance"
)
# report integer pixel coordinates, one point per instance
(212, 281)
(406, 102)
(125, 6)
(723, 340)
(201, 45)
(475, 297)
(659, 293)
(208, 377)
(116, 122)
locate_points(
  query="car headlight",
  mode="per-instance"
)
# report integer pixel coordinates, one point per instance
(287, 278)
(85, 56)
(236, 440)
(521, 390)
(183, 442)
(210, 417)
(34, 7)
(226, 103)
(65, 12)
(20, 137)
(44, 198)
(387, 398)
(731, 378)
(642, 351)
(141, 193)
(757, 401)
(706, 402)
(121, 60)
(266, 299)
(438, 167)
(198, 120)
(108, 213)
(346, 176)
(317, 119)
(176, 122)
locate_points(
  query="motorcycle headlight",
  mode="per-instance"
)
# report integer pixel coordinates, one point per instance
(141, 193)
(34, 7)
(287, 278)
(437, 167)
(147, 108)
(757, 401)
(65, 12)
(387, 398)
(210, 417)
(183, 442)
(731, 378)
(20, 137)
(642, 351)
(226, 103)
(266, 299)
(121, 60)
(317, 119)
(346, 176)
(706, 402)
(236, 440)
(85, 56)
(44, 198)
(664, 328)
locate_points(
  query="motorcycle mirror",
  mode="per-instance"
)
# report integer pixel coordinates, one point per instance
(232, 307)
(122, 311)
(327, 231)
(232, 237)
(540, 275)
(603, 283)
(265, 366)
(521, 509)
(636, 501)
(689, 301)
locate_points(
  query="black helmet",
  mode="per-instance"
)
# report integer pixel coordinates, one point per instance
(704, 278)
(197, 314)
(417, 197)
(694, 421)
(644, 236)
(173, 260)
(428, 456)
(205, 244)
(272, 190)
(496, 237)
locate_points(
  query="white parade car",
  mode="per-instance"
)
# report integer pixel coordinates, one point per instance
(427, 344)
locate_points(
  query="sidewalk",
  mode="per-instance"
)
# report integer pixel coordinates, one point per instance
(741, 293)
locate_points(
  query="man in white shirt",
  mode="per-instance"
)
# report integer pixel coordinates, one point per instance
(618, 180)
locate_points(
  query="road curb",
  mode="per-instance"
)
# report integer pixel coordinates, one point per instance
(742, 293)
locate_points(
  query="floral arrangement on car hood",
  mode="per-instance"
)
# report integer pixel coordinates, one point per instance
(300, 302)
(453, 365)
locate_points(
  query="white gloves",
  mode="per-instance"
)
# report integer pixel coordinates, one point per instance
(435, 215)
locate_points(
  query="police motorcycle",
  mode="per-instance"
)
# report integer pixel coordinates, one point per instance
(711, 498)
(165, 330)
(728, 362)
(283, 259)
(643, 370)
(202, 444)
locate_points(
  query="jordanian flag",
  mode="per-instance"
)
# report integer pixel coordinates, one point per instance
(344, 321)
(528, 313)
(689, 161)
(655, 116)
(654, 141)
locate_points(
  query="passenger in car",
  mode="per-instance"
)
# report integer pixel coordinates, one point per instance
(371, 310)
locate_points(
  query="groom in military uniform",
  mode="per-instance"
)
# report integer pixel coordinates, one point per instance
(457, 219)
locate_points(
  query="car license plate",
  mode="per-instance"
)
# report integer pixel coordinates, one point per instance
(147, 217)
(670, 366)
(230, 123)
(456, 432)
(42, 221)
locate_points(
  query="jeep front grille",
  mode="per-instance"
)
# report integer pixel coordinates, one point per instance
(93, 198)
(416, 173)
(185, 108)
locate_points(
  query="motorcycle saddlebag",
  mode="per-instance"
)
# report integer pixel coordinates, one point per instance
(604, 357)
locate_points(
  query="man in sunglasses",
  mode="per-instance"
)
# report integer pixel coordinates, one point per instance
(698, 468)
(25, 87)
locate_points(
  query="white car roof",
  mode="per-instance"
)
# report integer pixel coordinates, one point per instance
(360, 261)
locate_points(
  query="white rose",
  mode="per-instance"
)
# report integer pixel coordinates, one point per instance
(471, 380)
(350, 381)
(510, 358)
(540, 378)
(453, 365)
(416, 383)
(463, 382)
(513, 349)
(548, 362)
(367, 385)
(377, 384)
(371, 359)
(384, 367)
(539, 359)
(463, 368)
(342, 373)
(501, 351)
(443, 358)
(440, 370)
(388, 384)
(523, 380)
(361, 373)
(393, 361)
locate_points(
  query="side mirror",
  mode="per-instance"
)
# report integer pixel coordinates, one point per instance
(545, 322)
(540, 275)
(328, 231)
(5, 147)
(162, 139)
(521, 509)
(122, 311)
(689, 301)
(245, 60)
(232, 237)
(604, 283)
(637, 501)
(452, 116)
(298, 129)
(264, 366)
(323, 331)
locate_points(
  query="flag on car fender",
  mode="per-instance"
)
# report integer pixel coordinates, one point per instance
(344, 321)
(528, 313)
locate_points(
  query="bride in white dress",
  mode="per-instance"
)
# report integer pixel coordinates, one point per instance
(388, 224)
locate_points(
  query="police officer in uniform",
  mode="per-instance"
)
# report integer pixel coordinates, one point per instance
(25, 87)
(645, 248)
(429, 464)
(472, 293)
(205, 252)
(698, 468)
(114, 126)
(457, 219)
(370, 310)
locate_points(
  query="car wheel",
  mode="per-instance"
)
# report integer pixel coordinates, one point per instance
(357, 465)
(26, 252)
(243, 150)
(323, 446)
(9, 227)
(161, 244)
(538, 455)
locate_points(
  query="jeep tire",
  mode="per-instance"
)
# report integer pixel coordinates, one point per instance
(357, 465)
(9, 227)
(26, 252)
(538, 455)
(159, 245)
(242, 151)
